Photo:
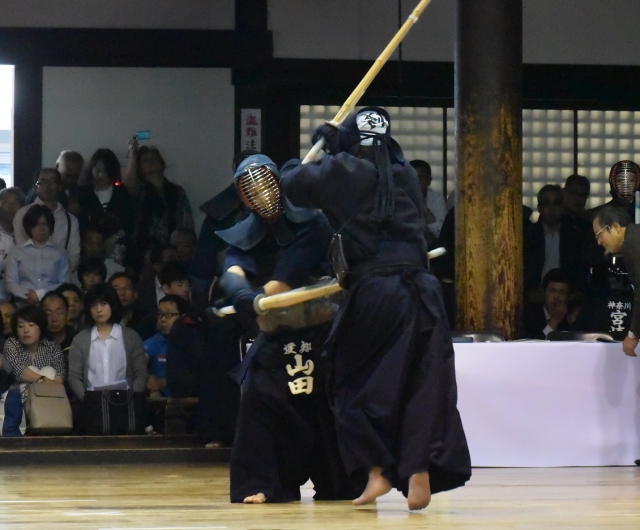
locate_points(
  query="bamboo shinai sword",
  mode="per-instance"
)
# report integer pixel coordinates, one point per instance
(357, 93)
(303, 294)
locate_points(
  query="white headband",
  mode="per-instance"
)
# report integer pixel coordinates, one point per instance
(371, 121)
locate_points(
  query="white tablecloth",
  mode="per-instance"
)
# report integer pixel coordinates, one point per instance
(549, 403)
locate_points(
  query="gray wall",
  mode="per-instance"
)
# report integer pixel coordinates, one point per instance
(147, 14)
(555, 31)
(188, 111)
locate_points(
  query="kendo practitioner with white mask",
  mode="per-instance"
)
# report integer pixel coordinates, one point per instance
(285, 431)
(393, 386)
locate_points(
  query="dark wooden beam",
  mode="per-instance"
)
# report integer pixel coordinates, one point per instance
(488, 97)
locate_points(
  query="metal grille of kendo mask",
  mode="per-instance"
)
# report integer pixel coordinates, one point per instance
(259, 190)
(624, 179)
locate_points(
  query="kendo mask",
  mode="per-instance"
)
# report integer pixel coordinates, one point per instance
(257, 183)
(624, 179)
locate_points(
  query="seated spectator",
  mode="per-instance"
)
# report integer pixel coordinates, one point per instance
(56, 308)
(29, 357)
(553, 242)
(6, 310)
(106, 339)
(11, 200)
(74, 296)
(175, 280)
(184, 240)
(132, 315)
(176, 351)
(435, 207)
(554, 313)
(162, 206)
(66, 235)
(93, 248)
(36, 266)
(30, 351)
(91, 272)
(156, 346)
(105, 204)
(150, 290)
(70, 165)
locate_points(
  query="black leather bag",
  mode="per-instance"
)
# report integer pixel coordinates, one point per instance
(114, 412)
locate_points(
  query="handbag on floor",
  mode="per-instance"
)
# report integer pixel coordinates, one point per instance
(114, 412)
(48, 409)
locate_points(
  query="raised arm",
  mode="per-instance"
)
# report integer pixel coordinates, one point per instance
(130, 178)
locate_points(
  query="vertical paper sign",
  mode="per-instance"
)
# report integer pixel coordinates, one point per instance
(251, 129)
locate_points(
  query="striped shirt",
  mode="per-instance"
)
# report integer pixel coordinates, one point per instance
(48, 354)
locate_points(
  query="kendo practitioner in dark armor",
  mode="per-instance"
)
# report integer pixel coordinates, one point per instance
(393, 385)
(286, 431)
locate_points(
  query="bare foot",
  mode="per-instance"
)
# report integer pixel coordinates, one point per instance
(419, 495)
(376, 486)
(258, 498)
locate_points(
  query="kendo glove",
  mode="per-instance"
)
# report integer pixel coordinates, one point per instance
(330, 135)
(213, 312)
(244, 302)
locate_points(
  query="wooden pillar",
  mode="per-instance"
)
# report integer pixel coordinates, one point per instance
(488, 101)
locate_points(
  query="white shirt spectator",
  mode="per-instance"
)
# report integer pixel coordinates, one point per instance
(438, 206)
(40, 269)
(60, 231)
(6, 244)
(107, 359)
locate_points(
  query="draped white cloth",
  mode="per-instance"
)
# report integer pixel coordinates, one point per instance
(545, 404)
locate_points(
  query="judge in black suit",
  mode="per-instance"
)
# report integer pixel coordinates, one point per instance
(553, 242)
(615, 231)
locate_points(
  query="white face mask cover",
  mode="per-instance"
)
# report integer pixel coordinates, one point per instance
(371, 121)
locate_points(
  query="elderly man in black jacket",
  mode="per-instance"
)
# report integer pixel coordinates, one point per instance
(615, 231)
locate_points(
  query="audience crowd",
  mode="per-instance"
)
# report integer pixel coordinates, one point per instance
(104, 283)
(570, 282)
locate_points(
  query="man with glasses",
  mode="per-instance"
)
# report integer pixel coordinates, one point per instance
(66, 234)
(616, 233)
(70, 164)
(175, 351)
(56, 307)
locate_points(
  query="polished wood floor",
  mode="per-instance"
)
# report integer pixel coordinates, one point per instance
(168, 497)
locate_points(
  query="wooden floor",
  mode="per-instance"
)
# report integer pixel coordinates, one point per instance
(189, 497)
